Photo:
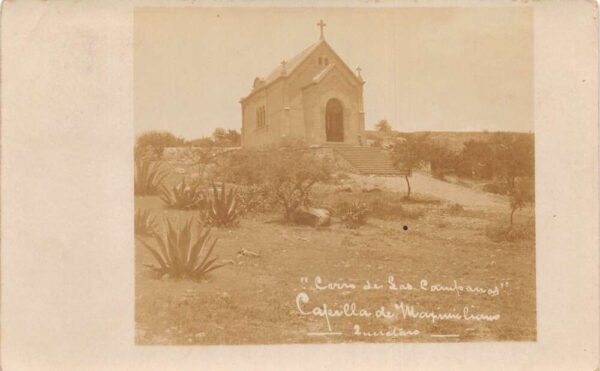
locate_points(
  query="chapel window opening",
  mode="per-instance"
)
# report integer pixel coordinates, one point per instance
(261, 117)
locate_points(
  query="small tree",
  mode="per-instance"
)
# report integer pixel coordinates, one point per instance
(514, 155)
(291, 173)
(383, 126)
(411, 154)
(521, 195)
(157, 141)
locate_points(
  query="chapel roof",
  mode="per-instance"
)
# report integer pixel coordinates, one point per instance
(291, 64)
(288, 66)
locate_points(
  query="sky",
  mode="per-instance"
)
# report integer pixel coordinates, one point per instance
(426, 69)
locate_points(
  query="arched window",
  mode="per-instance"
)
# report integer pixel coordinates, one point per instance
(326, 61)
(261, 117)
(320, 60)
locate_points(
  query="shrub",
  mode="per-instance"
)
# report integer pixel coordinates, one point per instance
(292, 174)
(247, 167)
(254, 198)
(222, 210)
(455, 209)
(353, 215)
(509, 233)
(179, 252)
(144, 222)
(156, 141)
(387, 209)
(148, 176)
(496, 188)
(288, 172)
(182, 195)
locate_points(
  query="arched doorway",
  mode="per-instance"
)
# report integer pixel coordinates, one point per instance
(334, 121)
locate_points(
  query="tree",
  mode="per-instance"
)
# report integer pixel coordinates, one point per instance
(514, 155)
(521, 195)
(412, 153)
(226, 138)
(206, 142)
(287, 173)
(477, 159)
(290, 176)
(383, 126)
(156, 142)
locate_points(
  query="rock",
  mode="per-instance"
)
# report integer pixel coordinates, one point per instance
(371, 190)
(312, 216)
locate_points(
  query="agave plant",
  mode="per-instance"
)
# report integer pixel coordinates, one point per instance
(222, 210)
(144, 222)
(182, 196)
(354, 214)
(179, 253)
(148, 176)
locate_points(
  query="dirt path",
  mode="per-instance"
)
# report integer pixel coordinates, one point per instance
(427, 185)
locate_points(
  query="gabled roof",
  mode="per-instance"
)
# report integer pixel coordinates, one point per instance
(292, 64)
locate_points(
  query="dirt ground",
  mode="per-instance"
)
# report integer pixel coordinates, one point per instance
(254, 299)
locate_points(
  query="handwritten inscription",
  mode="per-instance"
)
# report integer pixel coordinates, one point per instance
(384, 320)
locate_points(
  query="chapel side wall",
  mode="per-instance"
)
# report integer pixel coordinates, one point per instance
(271, 98)
(252, 135)
(275, 115)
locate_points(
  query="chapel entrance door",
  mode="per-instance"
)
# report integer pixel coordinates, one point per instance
(334, 121)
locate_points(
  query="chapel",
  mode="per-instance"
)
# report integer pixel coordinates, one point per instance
(314, 97)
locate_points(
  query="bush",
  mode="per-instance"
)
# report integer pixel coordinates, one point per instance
(288, 173)
(246, 167)
(353, 215)
(509, 233)
(222, 210)
(182, 196)
(291, 175)
(157, 141)
(143, 222)
(455, 209)
(496, 188)
(385, 208)
(179, 252)
(254, 198)
(148, 176)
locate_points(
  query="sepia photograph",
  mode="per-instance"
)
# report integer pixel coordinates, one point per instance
(334, 175)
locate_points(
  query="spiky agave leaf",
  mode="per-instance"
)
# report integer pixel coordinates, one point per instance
(148, 176)
(222, 210)
(183, 196)
(144, 223)
(179, 253)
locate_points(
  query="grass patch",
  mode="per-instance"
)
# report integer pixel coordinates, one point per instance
(510, 233)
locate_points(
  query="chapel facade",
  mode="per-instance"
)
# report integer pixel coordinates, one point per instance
(314, 97)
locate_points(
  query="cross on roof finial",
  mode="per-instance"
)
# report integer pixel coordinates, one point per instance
(358, 69)
(283, 63)
(321, 25)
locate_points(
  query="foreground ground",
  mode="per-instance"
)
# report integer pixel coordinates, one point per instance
(253, 299)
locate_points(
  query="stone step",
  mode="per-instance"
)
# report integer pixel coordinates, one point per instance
(368, 160)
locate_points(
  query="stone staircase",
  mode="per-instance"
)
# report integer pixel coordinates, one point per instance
(368, 160)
